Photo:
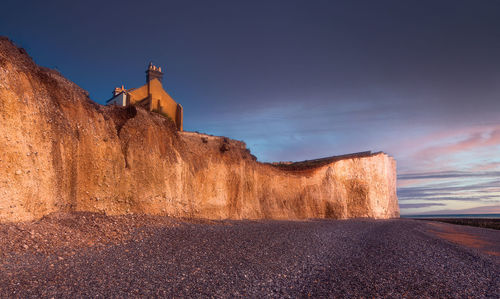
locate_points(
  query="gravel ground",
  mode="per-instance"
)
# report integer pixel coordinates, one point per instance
(320, 258)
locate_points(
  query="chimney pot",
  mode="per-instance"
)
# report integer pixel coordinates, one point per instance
(153, 72)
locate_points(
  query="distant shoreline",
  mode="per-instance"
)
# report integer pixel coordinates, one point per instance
(491, 221)
(465, 216)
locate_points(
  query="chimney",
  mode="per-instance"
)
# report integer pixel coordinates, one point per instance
(153, 72)
(119, 90)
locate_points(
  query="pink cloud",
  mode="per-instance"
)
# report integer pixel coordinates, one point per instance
(494, 138)
(477, 138)
(488, 166)
(447, 134)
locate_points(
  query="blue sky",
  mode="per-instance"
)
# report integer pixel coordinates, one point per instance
(298, 80)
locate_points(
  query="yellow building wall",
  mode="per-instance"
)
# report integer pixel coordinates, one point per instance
(168, 105)
(138, 94)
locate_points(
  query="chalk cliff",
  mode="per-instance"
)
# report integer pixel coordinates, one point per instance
(59, 151)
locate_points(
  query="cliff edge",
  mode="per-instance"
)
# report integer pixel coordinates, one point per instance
(59, 151)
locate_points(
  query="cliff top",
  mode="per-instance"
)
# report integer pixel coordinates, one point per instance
(316, 163)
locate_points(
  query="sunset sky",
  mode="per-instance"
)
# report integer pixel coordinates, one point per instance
(299, 80)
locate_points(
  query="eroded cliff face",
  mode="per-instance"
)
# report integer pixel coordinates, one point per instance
(59, 151)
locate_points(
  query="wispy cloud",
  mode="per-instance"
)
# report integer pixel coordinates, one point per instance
(486, 166)
(461, 148)
(474, 141)
(488, 209)
(428, 191)
(419, 205)
(448, 175)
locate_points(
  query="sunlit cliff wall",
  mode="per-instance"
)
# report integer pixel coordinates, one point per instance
(59, 151)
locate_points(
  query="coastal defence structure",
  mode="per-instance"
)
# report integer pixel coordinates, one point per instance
(150, 96)
(62, 152)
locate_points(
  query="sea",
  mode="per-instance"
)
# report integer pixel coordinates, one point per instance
(491, 216)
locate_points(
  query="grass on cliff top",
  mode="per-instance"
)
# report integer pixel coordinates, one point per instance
(163, 114)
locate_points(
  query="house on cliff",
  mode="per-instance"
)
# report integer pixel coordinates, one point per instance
(151, 96)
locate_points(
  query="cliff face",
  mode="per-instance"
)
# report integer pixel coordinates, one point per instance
(59, 151)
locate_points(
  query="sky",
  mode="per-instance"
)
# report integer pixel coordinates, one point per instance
(297, 80)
